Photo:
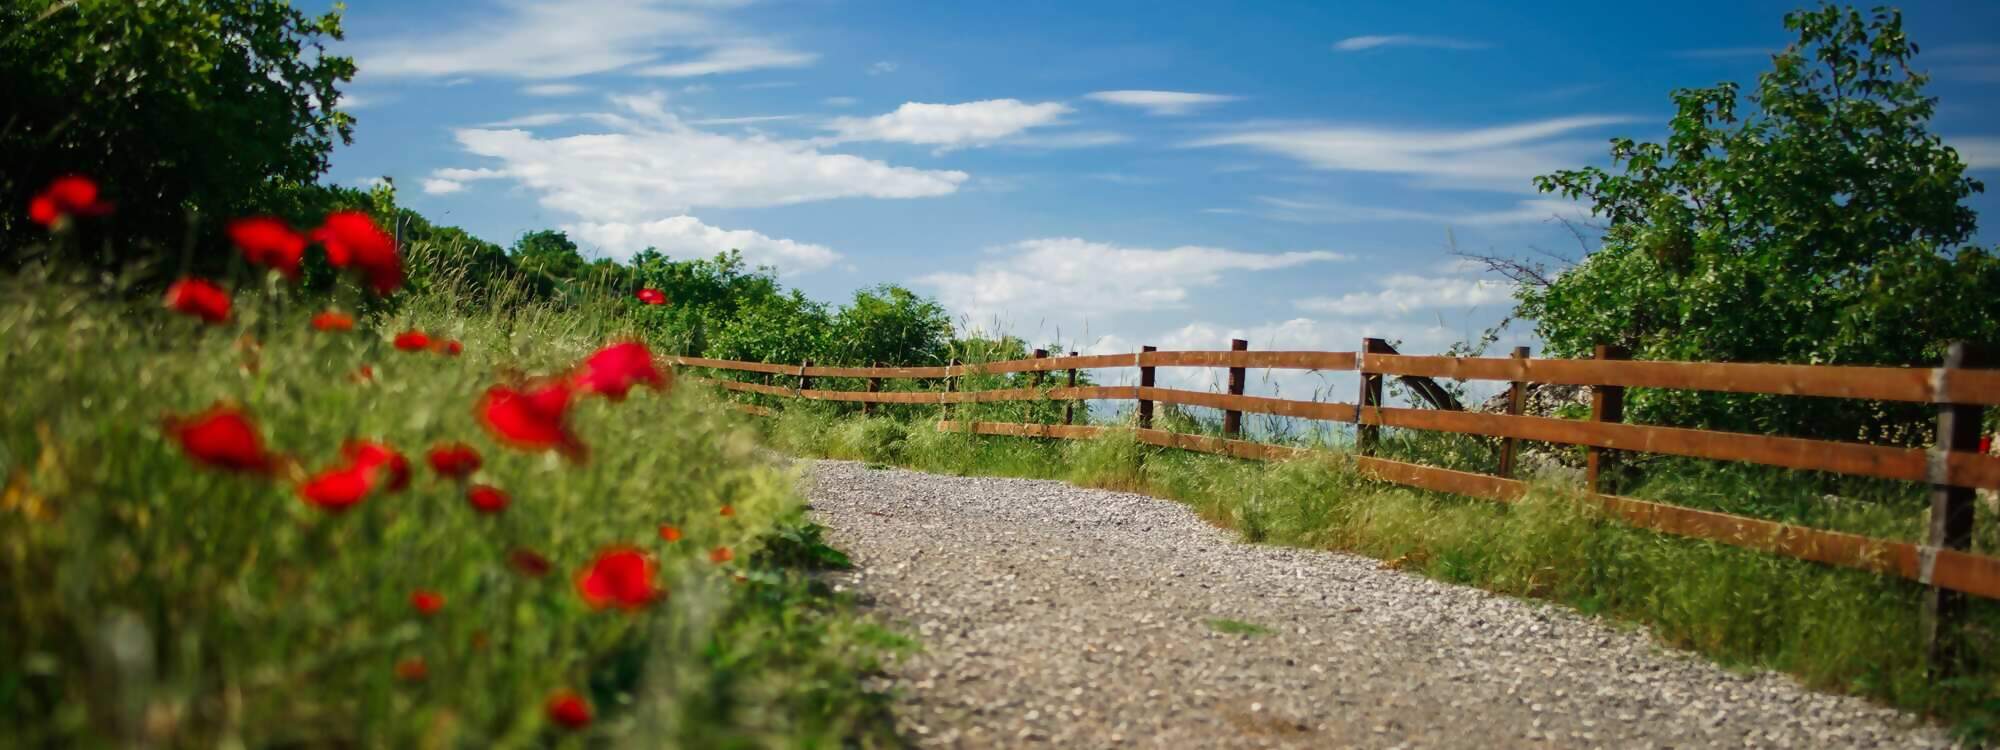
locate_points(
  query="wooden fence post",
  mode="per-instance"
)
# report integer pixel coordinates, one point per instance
(1232, 419)
(1145, 381)
(950, 385)
(1517, 396)
(874, 386)
(1607, 404)
(1034, 381)
(805, 381)
(1069, 407)
(1366, 435)
(1951, 519)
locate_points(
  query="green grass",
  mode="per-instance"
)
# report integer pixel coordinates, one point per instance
(1836, 629)
(152, 602)
(1227, 626)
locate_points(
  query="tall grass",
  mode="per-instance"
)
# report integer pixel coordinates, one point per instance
(150, 602)
(1836, 629)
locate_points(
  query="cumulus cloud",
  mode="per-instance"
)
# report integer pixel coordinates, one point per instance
(1403, 293)
(553, 89)
(556, 39)
(439, 186)
(1160, 102)
(1361, 43)
(950, 125)
(1499, 158)
(686, 237)
(1076, 277)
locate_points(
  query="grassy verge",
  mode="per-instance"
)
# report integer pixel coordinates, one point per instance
(151, 601)
(1835, 629)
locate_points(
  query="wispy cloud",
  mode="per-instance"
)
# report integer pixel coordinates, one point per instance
(1168, 103)
(686, 237)
(1495, 158)
(1362, 43)
(556, 39)
(1403, 293)
(1069, 276)
(1979, 152)
(882, 67)
(950, 125)
(1328, 211)
(553, 89)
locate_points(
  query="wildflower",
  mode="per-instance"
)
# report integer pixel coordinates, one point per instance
(413, 341)
(353, 240)
(363, 374)
(393, 469)
(670, 533)
(412, 669)
(620, 577)
(486, 499)
(70, 195)
(449, 348)
(728, 511)
(1985, 444)
(528, 562)
(221, 437)
(651, 296)
(266, 241)
(426, 602)
(337, 489)
(200, 298)
(532, 419)
(720, 555)
(455, 460)
(568, 709)
(333, 320)
(613, 370)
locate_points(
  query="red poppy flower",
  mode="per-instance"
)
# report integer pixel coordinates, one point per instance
(413, 341)
(455, 460)
(200, 298)
(352, 239)
(392, 469)
(613, 370)
(728, 511)
(720, 555)
(266, 241)
(363, 374)
(70, 195)
(222, 437)
(529, 563)
(426, 602)
(651, 296)
(533, 419)
(486, 498)
(337, 489)
(449, 348)
(1985, 443)
(333, 320)
(621, 577)
(412, 669)
(568, 709)
(670, 533)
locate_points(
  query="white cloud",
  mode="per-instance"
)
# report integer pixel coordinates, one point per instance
(686, 237)
(553, 89)
(840, 101)
(1979, 152)
(950, 125)
(1075, 277)
(653, 164)
(1160, 102)
(440, 186)
(1360, 43)
(1403, 293)
(556, 39)
(530, 121)
(1497, 158)
(732, 59)
(749, 120)
(881, 67)
(1324, 211)
(1078, 139)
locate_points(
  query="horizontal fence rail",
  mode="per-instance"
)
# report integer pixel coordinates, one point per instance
(1952, 468)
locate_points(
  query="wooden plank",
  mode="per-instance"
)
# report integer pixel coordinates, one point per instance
(1018, 429)
(1330, 411)
(1232, 419)
(735, 385)
(1914, 384)
(753, 410)
(730, 364)
(1221, 446)
(1517, 393)
(1607, 405)
(1857, 459)
(899, 373)
(1442, 480)
(1272, 360)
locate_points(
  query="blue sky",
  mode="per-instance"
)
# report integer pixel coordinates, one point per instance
(1147, 172)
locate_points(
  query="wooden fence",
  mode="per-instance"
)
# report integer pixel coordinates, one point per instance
(1953, 468)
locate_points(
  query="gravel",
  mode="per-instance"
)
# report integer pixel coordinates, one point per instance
(1051, 615)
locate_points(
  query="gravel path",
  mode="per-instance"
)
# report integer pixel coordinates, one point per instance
(1055, 615)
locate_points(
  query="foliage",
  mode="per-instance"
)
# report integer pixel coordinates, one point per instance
(211, 109)
(1821, 222)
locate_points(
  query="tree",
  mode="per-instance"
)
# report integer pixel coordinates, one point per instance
(176, 107)
(890, 325)
(550, 253)
(1820, 223)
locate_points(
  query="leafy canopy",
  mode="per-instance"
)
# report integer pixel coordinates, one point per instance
(1819, 222)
